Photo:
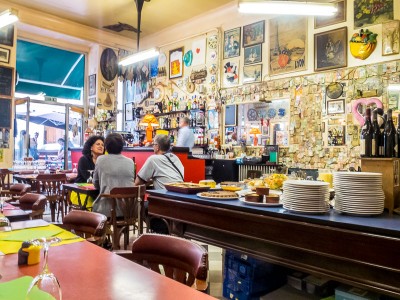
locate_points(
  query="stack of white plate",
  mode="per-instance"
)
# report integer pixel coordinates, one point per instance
(304, 196)
(359, 193)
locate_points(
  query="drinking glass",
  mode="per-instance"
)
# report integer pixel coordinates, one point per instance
(75, 170)
(45, 281)
(90, 179)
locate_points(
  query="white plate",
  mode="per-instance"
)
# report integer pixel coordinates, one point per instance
(356, 174)
(261, 203)
(306, 183)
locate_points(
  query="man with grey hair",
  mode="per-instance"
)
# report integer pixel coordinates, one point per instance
(185, 134)
(162, 167)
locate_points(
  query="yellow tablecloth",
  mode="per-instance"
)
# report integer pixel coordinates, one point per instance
(10, 242)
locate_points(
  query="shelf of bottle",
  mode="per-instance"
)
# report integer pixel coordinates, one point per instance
(177, 112)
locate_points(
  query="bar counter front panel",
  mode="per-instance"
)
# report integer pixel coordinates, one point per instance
(360, 251)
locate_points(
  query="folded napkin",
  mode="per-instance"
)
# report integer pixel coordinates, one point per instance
(16, 290)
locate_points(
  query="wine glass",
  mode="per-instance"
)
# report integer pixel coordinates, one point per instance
(45, 281)
(90, 179)
(75, 170)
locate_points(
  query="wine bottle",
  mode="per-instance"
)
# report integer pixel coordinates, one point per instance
(397, 138)
(377, 139)
(389, 135)
(366, 136)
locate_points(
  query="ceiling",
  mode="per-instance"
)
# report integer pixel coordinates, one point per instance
(156, 14)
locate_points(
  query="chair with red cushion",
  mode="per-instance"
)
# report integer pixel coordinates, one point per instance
(33, 203)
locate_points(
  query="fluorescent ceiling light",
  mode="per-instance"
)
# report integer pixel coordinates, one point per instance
(8, 17)
(142, 55)
(287, 8)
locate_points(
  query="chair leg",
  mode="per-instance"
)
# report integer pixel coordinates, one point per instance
(53, 206)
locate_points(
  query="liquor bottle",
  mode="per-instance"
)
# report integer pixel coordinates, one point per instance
(366, 136)
(397, 137)
(377, 139)
(389, 135)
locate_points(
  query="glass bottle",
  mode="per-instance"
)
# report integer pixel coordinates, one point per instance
(389, 135)
(377, 139)
(366, 136)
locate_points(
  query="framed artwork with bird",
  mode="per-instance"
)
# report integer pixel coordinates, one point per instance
(330, 49)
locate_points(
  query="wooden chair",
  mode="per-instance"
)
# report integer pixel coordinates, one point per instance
(181, 260)
(88, 225)
(51, 186)
(33, 203)
(15, 191)
(124, 212)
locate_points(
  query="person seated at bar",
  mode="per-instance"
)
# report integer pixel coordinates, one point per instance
(162, 167)
(92, 149)
(112, 170)
(185, 134)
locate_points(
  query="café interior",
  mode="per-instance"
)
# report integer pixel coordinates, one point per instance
(282, 198)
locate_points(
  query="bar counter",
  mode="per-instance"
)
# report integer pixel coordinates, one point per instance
(360, 251)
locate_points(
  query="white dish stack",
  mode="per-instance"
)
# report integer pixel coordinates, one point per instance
(305, 196)
(359, 193)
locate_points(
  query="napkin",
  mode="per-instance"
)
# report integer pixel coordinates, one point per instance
(16, 290)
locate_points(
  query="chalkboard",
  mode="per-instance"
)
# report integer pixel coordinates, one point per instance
(5, 113)
(230, 115)
(6, 81)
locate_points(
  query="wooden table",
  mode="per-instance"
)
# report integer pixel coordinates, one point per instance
(29, 178)
(80, 190)
(360, 251)
(86, 271)
(14, 214)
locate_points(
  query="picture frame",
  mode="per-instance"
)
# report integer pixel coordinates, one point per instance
(336, 135)
(129, 111)
(4, 55)
(232, 42)
(176, 63)
(330, 49)
(288, 45)
(254, 33)
(366, 17)
(231, 73)
(334, 107)
(92, 85)
(252, 73)
(390, 37)
(253, 54)
(212, 119)
(339, 17)
(7, 35)
(231, 115)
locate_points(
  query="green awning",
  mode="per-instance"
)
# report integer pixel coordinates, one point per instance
(51, 71)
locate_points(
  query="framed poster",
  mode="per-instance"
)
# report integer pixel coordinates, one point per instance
(7, 35)
(367, 13)
(253, 54)
(252, 73)
(128, 111)
(390, 37)
(330, 49)
(92, 85)
(288, 45)
(212, 117)
(336, 135)
(253, 34)
(176, 63)
(4, 55)
(335, 107)
(232, 42)
(339, 17)
(231, 73)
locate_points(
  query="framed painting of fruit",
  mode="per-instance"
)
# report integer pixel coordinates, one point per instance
(288, 45)
(330, 49)
(340, 16)
(370, 12)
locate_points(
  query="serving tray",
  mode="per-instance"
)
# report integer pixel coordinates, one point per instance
(186, 187)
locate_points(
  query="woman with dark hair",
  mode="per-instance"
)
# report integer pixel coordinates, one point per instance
(112, 170)
(92, 149)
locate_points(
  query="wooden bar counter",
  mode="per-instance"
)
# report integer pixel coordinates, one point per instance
(360, 251)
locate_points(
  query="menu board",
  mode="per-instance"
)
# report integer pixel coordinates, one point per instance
(6, 81)
(230, 115)
(5, 113)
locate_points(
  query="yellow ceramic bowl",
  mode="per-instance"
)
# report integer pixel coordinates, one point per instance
(362, 50)
(231, 188)
(210, 183)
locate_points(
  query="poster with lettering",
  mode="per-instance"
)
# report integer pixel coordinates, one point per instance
(288, 45)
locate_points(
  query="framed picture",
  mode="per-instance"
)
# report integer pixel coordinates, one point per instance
(231, 73)
(336, 135)
(6, 81)
(252, 73)
(92, 85)
(253, 54)
(288, 45)
(232, 42)
(253, 33)
(390, 37)
(4, 55)
(330, 49)
(128, 111)
(339, 17)
(367, 13)
(7, 35)
(212, 117)
(335, 107)
(176, 63)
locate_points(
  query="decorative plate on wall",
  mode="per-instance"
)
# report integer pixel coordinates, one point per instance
(252, 114)
(334, 90)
